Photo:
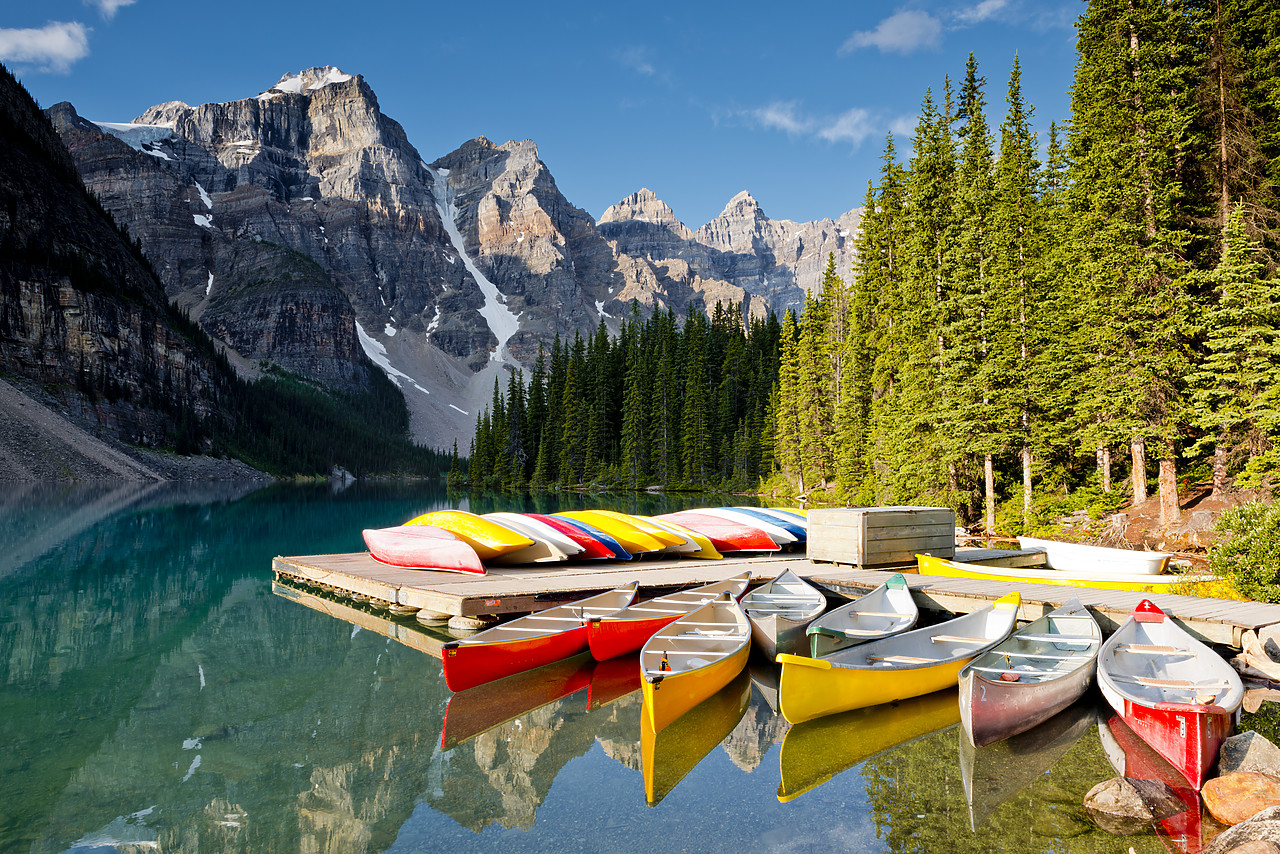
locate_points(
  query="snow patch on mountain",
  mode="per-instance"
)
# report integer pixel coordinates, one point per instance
(378, 355)
(136, 135)
(501, 320)
(308, 80)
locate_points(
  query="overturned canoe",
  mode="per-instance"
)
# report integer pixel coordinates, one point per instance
(488, 538)
(726, 535)
(527, 642)
(596, 545)
(1079, 557)
(780, 611)
(929, 565)
(633, 538)
(1028, 678)
(886, 610)
(895, 668)
(422, 547)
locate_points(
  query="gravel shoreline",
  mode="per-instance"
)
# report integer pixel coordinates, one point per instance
(38, 444)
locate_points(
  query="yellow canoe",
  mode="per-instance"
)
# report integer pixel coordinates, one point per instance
(690, 659)
(1138, 582)
(705, 549)
(895, 668)
(632, 537)
(814, 752)
(669, 539)
(487, 537)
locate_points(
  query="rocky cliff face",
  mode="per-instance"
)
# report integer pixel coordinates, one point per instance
(740, 256)
(301, 227)
(80, 311)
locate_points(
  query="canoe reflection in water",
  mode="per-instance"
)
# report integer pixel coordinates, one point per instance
(815, 751)
(668, 756)
(491, 704)
(1134, 758)
(997, 772)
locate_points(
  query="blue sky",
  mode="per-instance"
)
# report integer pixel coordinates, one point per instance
(695, 100)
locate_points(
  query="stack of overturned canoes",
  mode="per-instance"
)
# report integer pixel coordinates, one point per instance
(458, 541)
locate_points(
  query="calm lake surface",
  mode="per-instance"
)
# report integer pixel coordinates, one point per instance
(158, 694)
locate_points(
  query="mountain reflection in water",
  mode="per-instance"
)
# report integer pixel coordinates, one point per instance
(157, 695)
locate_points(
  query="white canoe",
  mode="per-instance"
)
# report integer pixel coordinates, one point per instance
(1097, 559)
(886, 610)
(780, 611)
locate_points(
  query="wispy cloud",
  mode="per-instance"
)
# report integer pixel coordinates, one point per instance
(853, 126)
(637, 59)
(902, 32)
(53, 47)
(108, 8)
(981, 12)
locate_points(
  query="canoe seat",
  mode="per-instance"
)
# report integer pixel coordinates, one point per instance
(1030, 671)
(878, 613)
(900, 659)
(958, 639)
(701, 633)
(1071, 639)
(1149, 649)
(1048, 655)
(1165, 683)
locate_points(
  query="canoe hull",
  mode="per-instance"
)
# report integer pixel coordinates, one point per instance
(1189, 736)
(667, 699)
(468, 665)
(409, 548)
(1100, 559)
(992, 710)
(1064, 578)
(611, 638)
(807, 689)
(776, 633)
(886, 610)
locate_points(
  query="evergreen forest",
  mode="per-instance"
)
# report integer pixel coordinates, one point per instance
(1091, 312)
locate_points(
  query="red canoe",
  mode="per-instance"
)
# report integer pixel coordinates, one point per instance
(422, 547)
(592, 549)
(527, 642)
(626, 631)
(1178, 695)
(725, 535)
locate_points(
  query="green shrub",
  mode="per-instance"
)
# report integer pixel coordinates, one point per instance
(1249, 553)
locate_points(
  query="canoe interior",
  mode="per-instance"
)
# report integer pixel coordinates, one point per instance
(1158, 662)
(953, 640)
(705, 636)
(788, 596)
(1047, 649)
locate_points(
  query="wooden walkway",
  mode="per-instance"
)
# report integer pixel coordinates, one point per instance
(509, 590)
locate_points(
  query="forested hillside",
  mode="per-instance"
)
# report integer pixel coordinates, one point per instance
(1029, 317)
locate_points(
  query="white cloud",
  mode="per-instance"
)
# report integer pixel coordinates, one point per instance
(781, 115)
(637, 59)
(53, 47)
(981, 12)
(851, 126)
(108, 8)
(902, 32)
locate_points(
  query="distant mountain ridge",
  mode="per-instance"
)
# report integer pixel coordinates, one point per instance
(301, 227)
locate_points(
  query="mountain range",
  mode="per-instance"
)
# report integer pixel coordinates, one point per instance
(300, 227)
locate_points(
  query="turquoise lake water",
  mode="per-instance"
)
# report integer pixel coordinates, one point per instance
(157, 694)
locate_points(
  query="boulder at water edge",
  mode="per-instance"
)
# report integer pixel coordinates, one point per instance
(1124, 807)
(1249, 751)
(1258, 835)
(1240, 795)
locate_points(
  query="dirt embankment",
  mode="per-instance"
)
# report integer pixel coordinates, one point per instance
(38, 444)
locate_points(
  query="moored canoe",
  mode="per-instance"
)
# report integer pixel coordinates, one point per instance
(1177, 694)
(780, 611)
(530, 641)
(692, 658)
(1029, 677)
(929, 565)
(887, 610)
(894, 668)
(1077, 557)
(422, 547)
(626, 630)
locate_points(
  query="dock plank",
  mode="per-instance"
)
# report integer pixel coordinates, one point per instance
(511, 590)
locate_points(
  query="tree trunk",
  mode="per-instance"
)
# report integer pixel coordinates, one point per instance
(1026, 483)
(1170, 512)
(989, 482)
(1219, 468)
(1138, 449)
(1104, 468)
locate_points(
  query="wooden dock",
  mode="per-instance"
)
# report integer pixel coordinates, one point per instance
(510, 590)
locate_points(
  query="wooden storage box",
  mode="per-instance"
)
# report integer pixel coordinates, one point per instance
(881, 536)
